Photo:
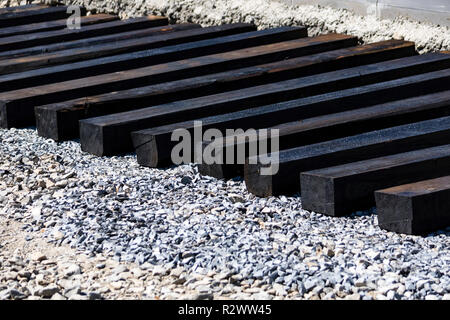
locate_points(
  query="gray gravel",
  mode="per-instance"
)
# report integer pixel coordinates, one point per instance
(176, 218)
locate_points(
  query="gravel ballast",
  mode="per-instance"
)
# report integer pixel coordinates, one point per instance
(215, 230)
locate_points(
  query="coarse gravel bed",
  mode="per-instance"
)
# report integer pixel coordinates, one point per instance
(176, 218)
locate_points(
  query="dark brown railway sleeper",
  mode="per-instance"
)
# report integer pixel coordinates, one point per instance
(417, 208)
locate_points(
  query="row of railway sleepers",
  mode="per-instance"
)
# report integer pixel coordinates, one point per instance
(431, 101)
(159, 49)
(15, 100)
(337, 177)
(180, 86)
(154, 145)
(24, 41)
(389, 114)
(316, 128)
(54, 25)
(333, 87)
(137, 49)
(348, 187)
(331, 182)
(17, 106)
(124, 30)
(107, 135)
